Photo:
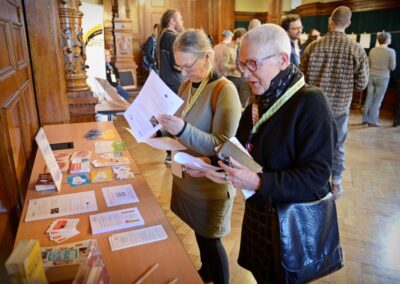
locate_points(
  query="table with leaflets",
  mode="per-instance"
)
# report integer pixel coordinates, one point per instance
(124, 265)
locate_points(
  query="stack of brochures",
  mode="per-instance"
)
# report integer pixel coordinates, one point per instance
(115, 220)
(62, 229)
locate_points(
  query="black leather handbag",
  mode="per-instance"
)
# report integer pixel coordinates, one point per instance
(309, 240)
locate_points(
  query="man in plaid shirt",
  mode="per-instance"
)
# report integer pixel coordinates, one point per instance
(339, 67)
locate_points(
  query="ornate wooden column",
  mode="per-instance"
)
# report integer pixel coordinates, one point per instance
(275, 12)
(123, 34)
(108, 26)
(81, 100)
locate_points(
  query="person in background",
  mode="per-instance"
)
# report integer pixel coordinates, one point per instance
(241, 84)
(254, 23)
(382, 60)
(149, 51)
(201, 125)
(220, 64)
(339, 67)
(312, 35)
(171, 24)
(112, 75)
(292, 25)
(294, 146)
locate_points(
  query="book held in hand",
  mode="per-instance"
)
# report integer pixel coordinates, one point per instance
(233, 148)
(25, 265)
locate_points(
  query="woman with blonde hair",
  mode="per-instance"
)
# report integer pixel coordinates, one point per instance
(210, 116)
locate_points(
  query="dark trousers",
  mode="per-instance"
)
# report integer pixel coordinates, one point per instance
(397, 113)
(214, 259)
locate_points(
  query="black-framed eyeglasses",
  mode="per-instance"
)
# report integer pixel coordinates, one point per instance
(251, 64)
(296, 28)
(190, 67)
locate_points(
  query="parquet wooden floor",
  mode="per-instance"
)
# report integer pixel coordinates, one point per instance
(369, 210)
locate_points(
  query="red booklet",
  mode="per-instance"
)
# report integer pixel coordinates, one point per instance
(44, 182)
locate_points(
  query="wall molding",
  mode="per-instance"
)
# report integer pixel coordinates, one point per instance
(247, 16)
(319, 9)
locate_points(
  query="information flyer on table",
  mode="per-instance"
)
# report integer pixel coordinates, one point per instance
(61, 205)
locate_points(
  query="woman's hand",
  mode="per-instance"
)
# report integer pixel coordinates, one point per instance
(237, 174)
(171, 123)
(196, 172)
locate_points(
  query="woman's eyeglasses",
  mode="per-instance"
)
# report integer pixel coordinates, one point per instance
(251, 64)
(190, 67)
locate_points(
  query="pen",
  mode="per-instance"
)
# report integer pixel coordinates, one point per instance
(147, 273)
(173, 281)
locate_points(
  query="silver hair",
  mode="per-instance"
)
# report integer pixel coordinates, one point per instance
(194, 41)
(270, 37)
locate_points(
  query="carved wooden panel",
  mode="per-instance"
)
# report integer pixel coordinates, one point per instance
(13, 112)
(18, 112)
(6, 57)
(47, 60)
(31, 123)
(19, 43)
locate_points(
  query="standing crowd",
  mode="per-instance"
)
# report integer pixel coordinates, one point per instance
(287, 104)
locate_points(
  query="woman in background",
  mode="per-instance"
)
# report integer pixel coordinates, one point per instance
(382, 60)
(210, 115)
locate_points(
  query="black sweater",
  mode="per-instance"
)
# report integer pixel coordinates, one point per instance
(295, 147)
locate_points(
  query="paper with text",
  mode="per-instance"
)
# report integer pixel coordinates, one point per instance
(155, 98)
(119, 195)
(61, 205)
(115, 220)
(185, 159)
(365, 40)
(137, 237)
(162, 143)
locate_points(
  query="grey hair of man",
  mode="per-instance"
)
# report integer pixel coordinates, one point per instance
(195, 41)
(269, 37)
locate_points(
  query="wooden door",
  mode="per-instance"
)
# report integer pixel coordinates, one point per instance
(18, 112)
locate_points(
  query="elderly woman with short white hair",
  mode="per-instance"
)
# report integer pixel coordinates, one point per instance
(290, 131)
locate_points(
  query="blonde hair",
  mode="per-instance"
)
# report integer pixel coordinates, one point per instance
(194, 41)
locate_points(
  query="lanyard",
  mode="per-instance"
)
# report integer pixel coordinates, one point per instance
(280, 102)
(191, 101)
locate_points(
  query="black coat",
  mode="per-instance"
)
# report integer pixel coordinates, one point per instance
(295, 147)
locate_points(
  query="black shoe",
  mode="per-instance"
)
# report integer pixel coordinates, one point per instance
(396, 123)
(205, 274)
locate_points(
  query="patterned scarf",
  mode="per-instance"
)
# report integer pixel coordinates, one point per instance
(277, 88)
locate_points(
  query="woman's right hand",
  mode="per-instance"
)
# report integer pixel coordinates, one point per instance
(196, 172)
(193, 172)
